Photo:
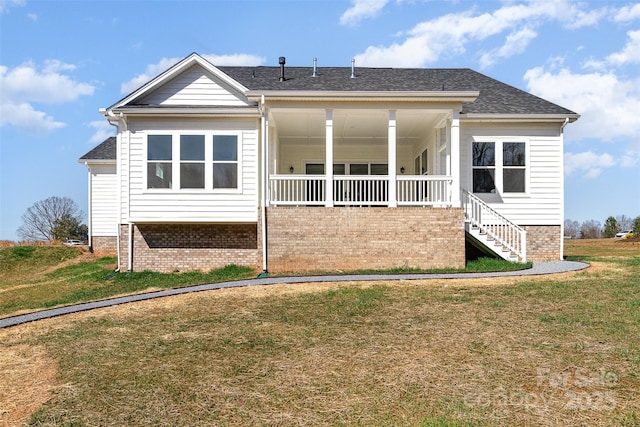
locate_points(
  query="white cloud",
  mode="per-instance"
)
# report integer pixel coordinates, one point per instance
(23, 116)
(627, 13)
(164, 64)
(450, 34)
(516, 43)
(630, 53)
(362, 9)
(587, 163)
(27, 84)
(103, 130)
(5, 4)
(32, 16)
(608, 105)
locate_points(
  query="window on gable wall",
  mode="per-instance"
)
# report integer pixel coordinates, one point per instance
(499, 167)
(159, 161)
(207, 161)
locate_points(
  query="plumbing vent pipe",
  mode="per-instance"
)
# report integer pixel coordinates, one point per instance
(315, 67)
(281, 61)
(353, 68)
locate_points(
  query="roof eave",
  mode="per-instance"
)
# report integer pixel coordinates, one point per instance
(549, 118)
(187, 111)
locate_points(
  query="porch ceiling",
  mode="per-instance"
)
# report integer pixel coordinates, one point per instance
(353, 127)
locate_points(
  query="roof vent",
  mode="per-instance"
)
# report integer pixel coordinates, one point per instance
(281, 61)
(315, 67)
(353, 68)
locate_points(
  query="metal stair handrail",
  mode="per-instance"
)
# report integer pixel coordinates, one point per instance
(490, 222)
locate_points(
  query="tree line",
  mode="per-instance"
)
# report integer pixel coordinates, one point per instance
(55, 218)
(593, 229)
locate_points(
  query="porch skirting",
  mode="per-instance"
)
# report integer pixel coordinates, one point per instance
(544, 242)
(343, 238)
(187, 247)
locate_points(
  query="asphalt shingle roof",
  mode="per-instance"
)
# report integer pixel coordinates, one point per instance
(105, 151)
(495, 96)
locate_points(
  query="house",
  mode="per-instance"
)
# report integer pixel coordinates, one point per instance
(326, 168)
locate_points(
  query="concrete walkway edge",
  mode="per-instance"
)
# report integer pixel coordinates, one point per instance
(538, 268)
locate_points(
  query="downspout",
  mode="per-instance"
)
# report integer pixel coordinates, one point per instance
(110, 114)
(265, 177)
(89, 217)
(566, 121)
(130, 251)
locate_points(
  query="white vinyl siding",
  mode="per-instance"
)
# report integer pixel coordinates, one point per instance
(194, 86)
(104, 200)
(195, 205)
(542, 203)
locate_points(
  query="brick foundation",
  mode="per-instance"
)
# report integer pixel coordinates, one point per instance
(543, 242)
(104, 243)
(186, 247)
(319, 238)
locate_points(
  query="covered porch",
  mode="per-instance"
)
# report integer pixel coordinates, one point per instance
(381, 154)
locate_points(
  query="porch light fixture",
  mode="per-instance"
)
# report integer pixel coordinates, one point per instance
(291, 169)
(402, 169)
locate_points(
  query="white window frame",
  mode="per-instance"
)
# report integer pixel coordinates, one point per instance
(208, 161)
(499, 166)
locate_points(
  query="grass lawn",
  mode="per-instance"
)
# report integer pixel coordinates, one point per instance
(551, 350)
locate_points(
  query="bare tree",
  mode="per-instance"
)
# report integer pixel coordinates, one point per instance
(625, 222)
(571, 228)
(590, 230)
(50, 219)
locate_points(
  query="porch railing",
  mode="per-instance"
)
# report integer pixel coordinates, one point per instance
(360, 190)
(491, 223)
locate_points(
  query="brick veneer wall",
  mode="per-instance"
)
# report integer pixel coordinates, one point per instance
(185, 247)
(543, 242)
(319, 238)
(104, 243)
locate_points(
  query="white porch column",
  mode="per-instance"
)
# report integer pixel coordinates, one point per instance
(455, 159)
(393, 202)
(328, 164)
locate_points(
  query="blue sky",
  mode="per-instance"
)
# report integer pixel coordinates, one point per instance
(60, 61)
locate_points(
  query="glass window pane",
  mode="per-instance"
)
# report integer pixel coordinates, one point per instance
(191, 147)
(416, 166)
(225, 147)
(483, 181)
(358, 169)
(484, 154)
(314, 169)
(513, 180)
(159, 147)
(379, 169)
(192, 175)
(424, 162)
(513, 154)
(339, 169)
(225, 175)
(158, 175)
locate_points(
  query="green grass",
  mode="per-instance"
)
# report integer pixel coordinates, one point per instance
(552, 350)
(29, 280)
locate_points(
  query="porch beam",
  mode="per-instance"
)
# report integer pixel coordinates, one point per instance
(328, 169)
(455, 159)
(392, 159)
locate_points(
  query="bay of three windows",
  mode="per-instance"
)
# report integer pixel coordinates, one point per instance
(191, 161)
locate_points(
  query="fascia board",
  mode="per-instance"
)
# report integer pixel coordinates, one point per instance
(187, 62)
(188, 111)
(478, 117)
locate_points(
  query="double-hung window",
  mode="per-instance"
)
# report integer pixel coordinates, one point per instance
(225, 161)
(192, 162)
(184, 161)
(513, 167)
(159, 161)
(484, 167)
(499, 167)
